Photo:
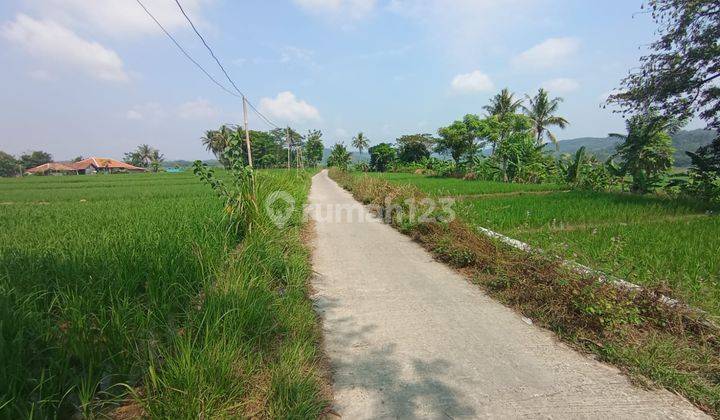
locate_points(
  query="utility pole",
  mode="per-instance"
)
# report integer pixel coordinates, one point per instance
(247, 132)
(288, 146)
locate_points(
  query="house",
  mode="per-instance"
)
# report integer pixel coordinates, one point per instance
(90, 165)
(51, 169)
(93, 165)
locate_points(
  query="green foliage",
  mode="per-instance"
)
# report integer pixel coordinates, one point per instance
(679, 75)
(541, 110)
(646, 151)
(414, 148)
(239, 192)
(381, 156)
(462, 139)
(35, 158)
(360, 142)
(145, 156)
(9, 166)
(339, 156)
(313, 148)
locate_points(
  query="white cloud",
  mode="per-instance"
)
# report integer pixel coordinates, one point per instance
(120, 18)
(338, 9)
(146, 111)
(59, 45)
(197, 109)
(561, 85)
(475, 81)
(286, 107)
(549, 53)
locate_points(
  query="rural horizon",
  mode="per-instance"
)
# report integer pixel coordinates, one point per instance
(392, 226)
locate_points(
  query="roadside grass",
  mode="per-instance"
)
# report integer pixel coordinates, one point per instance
(443, 186)
(650, 240)
(125, 293)
(655, 343)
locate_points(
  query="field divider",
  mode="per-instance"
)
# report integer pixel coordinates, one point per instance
(596, 274)
(502, 194)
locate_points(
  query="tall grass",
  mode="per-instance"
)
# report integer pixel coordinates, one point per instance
(126, 289)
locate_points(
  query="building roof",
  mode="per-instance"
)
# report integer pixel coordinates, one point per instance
(52, 166)
(103, 163)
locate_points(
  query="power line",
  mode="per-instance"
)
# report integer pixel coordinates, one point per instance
(227, 76)
(185, 53)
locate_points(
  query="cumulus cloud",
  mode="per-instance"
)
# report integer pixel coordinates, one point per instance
(338, 9)
(475, 81)
(197, 109)
(59, 45)
(549, 53)
(286, 107)
(120, 18)
(561, 85)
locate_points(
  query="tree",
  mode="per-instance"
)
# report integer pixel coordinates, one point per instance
(360, 142)
(414, 147)
(216, 141)
(313, 147)
(646, 151)
(156, 158)
(679, 77)
(145, 156)
(381, 156)
(339, 156)
(541, 110)
(462, 138)
(516, 149)
(9, 166)
(35, 158)
(145, 153)
(503, 103)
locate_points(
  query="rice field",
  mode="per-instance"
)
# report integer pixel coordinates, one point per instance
(647, 240)
(439, 186)
(125, 295)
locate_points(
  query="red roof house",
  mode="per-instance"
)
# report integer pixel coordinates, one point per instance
(90, 165)
(96, 164)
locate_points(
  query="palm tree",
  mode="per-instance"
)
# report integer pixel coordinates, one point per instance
(156, 158)
(216, 141)
(646, 151)
(503, 103)
(541, 110)
(360, 142)
(145, 153)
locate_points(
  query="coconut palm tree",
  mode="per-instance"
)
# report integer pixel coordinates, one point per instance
(360, 142)
(541, 110)
(216, 141)
(503, 103)
(145, 153)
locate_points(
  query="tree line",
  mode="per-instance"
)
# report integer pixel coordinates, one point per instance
(269, 149)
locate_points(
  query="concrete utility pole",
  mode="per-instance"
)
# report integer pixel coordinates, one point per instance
(247, 132)
(288, 146)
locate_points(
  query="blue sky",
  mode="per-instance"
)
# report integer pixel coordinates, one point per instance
(98, 78)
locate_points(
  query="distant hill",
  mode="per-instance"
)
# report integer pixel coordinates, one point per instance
(603, 147)
(355, 156)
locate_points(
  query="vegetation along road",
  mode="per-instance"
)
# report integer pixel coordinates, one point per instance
(409, 337)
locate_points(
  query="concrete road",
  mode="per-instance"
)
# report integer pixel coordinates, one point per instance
(407, 337)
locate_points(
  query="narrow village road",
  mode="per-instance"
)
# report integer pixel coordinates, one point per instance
(408, 337)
